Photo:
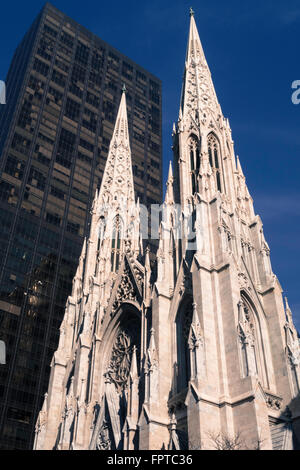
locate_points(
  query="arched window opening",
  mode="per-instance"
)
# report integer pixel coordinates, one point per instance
(247, 339)
(116, 243)
(122, 392)
(248, 255)
(194, 183)
(101, 234)
(127, 341)
(252, 344)
(214, 155)
(195, 160)
(183, 325)
(192, 239)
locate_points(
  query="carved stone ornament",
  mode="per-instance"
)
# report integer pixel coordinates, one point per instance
(125, 291)
(294, 353)
(119, 366)
(246, 327)
(273, 402)
(195, 339)
(186, 284)
(103, 440)
(292, 346)
(244, 281)
(188, 317)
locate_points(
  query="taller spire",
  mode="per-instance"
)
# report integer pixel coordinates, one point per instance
(117, 186)
(198, 93)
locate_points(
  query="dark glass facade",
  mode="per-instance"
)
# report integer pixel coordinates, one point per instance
(63, 92)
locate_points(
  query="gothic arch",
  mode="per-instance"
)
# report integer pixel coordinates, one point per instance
(194, 159)
(181, 319)
(182, 364)
(254, 340)
(120, 341)
(127, 317)
(101, 233)
(117, 240)
(216, 160)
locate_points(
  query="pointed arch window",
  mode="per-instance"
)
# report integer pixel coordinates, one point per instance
(101, 234)
(183, 325)
(121, 390)
(247, 340)
(195, 160)
(214, 155)
(116, 243)
(253, 341)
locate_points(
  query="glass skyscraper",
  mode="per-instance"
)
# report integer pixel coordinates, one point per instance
(63, 91)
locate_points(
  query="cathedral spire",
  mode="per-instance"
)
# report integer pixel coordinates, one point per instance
(117, 186)
(194, 49)
(198, 92)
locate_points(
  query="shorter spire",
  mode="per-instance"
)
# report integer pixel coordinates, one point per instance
(117, 182)
(288, 311)
(239, 166)
(147, 259)
(170, 190)
(195, 334)
(180, 114)
(45, 403)
(151, 353)
(83, 251)
(170, 176)
(133, 366)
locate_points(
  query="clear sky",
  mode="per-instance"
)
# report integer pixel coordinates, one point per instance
(252, 48)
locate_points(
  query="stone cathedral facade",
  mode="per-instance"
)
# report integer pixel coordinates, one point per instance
(195, 347)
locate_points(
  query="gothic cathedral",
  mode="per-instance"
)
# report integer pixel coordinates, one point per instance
(196, 346)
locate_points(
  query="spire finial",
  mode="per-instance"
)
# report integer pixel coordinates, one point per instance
(124, 90)
(193, 94)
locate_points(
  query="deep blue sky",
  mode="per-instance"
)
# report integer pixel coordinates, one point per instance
(252, 48)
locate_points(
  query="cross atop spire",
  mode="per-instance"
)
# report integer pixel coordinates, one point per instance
(194, 48)
(198, 93)
(191, 11)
